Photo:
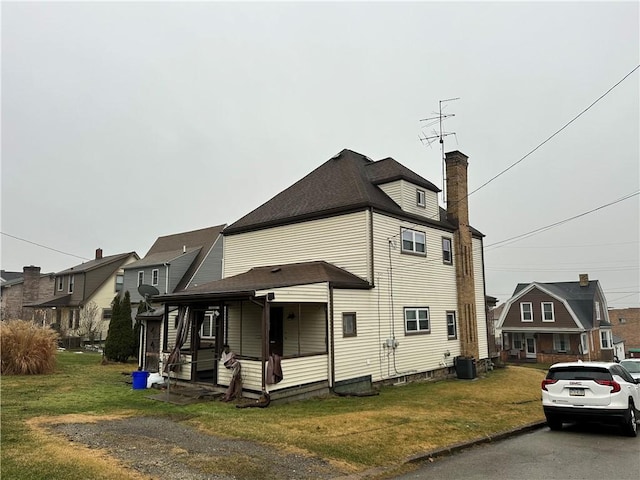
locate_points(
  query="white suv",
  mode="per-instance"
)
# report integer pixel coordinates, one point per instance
(591, 391)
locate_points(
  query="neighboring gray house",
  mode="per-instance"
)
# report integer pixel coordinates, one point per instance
(176, 262)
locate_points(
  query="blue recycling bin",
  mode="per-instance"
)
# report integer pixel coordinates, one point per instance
(140, 380)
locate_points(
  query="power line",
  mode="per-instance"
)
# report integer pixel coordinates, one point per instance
(44, 246)
(554, 134)
(547, 227)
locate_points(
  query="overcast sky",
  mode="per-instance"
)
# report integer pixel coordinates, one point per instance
(122, 122)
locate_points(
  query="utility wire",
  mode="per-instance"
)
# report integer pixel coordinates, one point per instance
(554, 134)
(44, 246)
(547, 227)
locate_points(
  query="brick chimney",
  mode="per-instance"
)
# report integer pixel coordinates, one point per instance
(584, 279)
(458, 214)
(31, 285)
(98, 253)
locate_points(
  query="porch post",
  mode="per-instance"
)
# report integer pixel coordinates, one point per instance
(266, 317)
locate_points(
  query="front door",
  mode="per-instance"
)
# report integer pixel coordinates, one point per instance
(276, 330)
(531, 347)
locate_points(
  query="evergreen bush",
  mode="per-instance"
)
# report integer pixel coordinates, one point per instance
(120, 344)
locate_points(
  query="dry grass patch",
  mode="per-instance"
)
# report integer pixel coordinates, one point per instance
(59, 455)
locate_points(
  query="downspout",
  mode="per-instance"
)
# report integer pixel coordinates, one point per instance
(332, 353)
(166, 280)
(371, 259)
(141, 345)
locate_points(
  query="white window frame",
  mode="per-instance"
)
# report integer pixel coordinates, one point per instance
(72, 281)
(544, 312)
(584, 343)
(447, 250)
(451, 322)
(415, 313)
(155, 275)
(210, 320)
(421, 198)
(413, 240)
(120, 284)
(606, 340)
(522, 312)
(597, 307)
(141, 277)
(558, 339)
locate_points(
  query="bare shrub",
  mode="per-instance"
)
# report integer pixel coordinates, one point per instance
(26, 348)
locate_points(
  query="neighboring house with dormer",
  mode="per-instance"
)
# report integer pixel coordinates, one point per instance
(354, 274)
(82, 296)
(560, 321)
(24, 288)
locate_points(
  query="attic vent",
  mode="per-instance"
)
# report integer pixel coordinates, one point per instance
(275, 270)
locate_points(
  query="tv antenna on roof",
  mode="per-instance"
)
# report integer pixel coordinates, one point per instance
(435, 135)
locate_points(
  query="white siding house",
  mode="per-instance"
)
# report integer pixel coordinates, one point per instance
(349, 274)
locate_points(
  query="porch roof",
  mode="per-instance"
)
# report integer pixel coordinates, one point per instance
(274, 276)
(58, 301)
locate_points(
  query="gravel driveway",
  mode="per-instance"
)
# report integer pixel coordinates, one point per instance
(166, 449)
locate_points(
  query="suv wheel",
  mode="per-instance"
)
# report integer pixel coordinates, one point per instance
(554, 423)
(630, 422)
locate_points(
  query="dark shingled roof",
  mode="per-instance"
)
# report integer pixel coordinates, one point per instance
(274, 276)
(170, 246)
(580, 299)
(347, 182)
(96, 263)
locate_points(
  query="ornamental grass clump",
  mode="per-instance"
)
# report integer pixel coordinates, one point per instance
(27, 349)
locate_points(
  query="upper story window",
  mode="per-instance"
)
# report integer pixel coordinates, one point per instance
(526, 312)
(349, 324)
(421, 199)
(416, 320)
(606, 340)
(119, 281)
(60, 283)
(154, 276)
(547, 312)
(447, 253)
(414, 241)
(597, 308)
(452, 331)
(140, 278)
(71, 283)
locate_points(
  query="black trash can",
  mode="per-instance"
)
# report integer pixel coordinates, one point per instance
(466, 368)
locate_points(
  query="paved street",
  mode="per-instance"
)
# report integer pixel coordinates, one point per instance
(576, 452)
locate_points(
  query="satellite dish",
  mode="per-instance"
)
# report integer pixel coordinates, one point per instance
(147, 291)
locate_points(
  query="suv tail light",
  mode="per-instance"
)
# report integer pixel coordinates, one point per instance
(615, 386)
(547, 381)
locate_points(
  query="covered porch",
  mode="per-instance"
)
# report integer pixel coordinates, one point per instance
(271, 317)
(544, 347)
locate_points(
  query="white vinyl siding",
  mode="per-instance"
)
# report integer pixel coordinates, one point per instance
(404, 194)
(313, 292)
(481, 309)
(342, 241)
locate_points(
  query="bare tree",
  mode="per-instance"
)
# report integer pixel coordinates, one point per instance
(90, 321)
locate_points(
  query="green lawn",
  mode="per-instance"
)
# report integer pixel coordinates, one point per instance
(353, 431)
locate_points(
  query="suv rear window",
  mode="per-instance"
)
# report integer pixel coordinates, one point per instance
(573, 373)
